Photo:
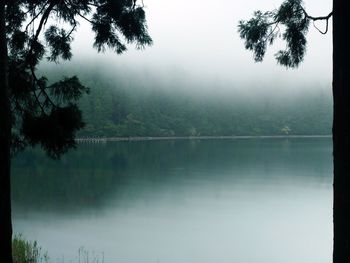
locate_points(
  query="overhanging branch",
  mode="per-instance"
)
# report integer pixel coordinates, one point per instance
(327, 17)
(36, 16)
(43, 20)
(313, 18)
(319, 30)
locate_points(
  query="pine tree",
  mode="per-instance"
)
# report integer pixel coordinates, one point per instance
(292, 18)
(32, 110)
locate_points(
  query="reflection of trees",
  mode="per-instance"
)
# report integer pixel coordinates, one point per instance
(88, 177)
(81, 179)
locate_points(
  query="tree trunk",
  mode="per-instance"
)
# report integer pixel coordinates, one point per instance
(341, 131)
(5, 143)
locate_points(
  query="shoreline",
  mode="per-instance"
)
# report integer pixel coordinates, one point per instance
(156, 138)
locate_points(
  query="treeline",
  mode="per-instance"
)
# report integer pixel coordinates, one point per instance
(130, 105)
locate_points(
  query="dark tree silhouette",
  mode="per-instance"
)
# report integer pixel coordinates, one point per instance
(261, 31)
(32, 111)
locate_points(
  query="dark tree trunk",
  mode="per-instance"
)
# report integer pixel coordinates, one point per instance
(5, 143)
(341, 130)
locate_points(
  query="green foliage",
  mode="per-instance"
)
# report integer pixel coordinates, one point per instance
(125, 106)
(55, 132)
(48, 114)
(264, 28)
(59, 43)
(123, 16)
(24, 251)
(258, 33)
(68, 89)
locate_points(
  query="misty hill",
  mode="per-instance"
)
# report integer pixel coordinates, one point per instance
(132, 102)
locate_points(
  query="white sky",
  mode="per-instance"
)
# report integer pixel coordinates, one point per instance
(198, 39)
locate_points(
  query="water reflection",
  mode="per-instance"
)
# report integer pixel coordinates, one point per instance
(251, 200)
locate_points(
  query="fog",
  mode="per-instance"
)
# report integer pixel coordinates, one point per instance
(197, 45)
(189, 200)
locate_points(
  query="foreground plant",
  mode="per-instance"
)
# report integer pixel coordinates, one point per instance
(24, 251)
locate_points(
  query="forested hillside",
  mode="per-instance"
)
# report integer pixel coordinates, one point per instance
(128, 104)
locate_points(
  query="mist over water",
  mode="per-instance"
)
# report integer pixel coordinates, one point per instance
(263, 201)
(252, 200)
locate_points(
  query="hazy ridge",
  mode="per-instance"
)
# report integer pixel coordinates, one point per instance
(125, 101)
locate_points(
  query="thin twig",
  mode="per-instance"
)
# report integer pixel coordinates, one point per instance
(322, 32)
(42, 90)
(73, 28)
(36, 16)
(318, 17)
(87, 19)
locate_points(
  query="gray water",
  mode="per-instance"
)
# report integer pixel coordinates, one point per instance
(182, 201)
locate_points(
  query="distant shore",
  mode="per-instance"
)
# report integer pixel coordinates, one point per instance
(155, 138)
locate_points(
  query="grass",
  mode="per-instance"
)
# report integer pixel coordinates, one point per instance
(24, 251)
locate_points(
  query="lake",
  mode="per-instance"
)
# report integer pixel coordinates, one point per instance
(180, 201)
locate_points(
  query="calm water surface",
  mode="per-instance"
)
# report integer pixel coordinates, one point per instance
(184, 201)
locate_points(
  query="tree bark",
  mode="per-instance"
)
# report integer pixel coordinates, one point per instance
(341, 131)
(5, 144)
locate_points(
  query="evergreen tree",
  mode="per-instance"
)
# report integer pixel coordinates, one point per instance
(262, 30)
(32, 111)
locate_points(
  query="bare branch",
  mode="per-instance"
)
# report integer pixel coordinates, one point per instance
(322, 32)
(273, 30)
(327, 17)
(84, 17)
(73, 28)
